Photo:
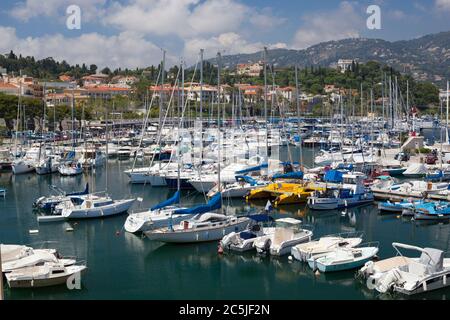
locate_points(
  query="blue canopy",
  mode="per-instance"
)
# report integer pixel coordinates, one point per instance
(82, 193)
(175, 199)
(247, 179)
(213, 204)
(290, 175)
(334, 176)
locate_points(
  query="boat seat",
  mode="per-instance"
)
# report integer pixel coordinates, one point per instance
(391, 263)
(417, 269)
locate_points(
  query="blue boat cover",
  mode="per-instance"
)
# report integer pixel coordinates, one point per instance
(261, 218)
(290, 175)
(213, 204)
(70, 155)
(82, 193)
(334, 176)
(252, 169)
(247, 179)
(343, 166)
(175, 199)
(437, 176)
(245, 235)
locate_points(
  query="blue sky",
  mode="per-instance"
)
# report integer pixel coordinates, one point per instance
(131, 33)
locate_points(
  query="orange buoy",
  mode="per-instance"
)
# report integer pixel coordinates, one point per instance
(220, 249)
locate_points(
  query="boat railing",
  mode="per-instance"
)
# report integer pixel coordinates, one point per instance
(40, 244)
(375, 244)
(347, 235)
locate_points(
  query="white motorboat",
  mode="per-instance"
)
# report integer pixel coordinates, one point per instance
(11, 252)
(244, 240)
(345, 196)
(38, 257)
(202, 228)
(287, 234)
(93, 206)
(409, 276)
(342, 259)
(323, 246)
(70, 169)
(49, 274)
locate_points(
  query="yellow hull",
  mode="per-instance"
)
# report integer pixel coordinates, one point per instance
(284, 193)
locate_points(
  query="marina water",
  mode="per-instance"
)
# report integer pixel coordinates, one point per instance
(126, 266)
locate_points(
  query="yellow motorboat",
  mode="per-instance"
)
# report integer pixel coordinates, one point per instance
(284, 193)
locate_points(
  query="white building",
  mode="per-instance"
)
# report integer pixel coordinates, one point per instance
(345, 64)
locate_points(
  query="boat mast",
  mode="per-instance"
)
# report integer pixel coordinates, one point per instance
(218, 125)
(297, 90)
(446, 127)
(201, 105)
(107, 150)
(265, 104)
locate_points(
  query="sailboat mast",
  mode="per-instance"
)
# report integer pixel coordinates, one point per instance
(447, 105)
(297, 92)
(265, 103)
(218, 121)
(201, 105)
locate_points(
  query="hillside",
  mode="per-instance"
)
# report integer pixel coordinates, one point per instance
(426, 58)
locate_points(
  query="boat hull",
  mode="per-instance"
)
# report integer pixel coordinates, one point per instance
(194, 236)
(118, 207)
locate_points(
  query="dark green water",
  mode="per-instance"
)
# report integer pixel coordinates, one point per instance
(125, 266)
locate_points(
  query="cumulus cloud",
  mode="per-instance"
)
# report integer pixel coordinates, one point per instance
(187, 18)
(339, 24)
(127, 49)
(443, 5)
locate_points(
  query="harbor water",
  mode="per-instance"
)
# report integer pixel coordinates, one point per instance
(126, 266)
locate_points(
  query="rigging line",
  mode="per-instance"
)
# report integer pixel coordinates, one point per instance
(146, 121)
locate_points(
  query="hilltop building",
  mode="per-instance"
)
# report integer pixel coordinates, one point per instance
(345, 64)
(250, 70)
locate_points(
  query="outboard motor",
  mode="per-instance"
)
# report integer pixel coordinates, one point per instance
(385, 283)
(229, 239)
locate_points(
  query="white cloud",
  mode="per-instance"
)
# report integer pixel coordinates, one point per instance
(187, 18)
(28, 9)
(342, 23)
(127, 49)
(443, 5)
